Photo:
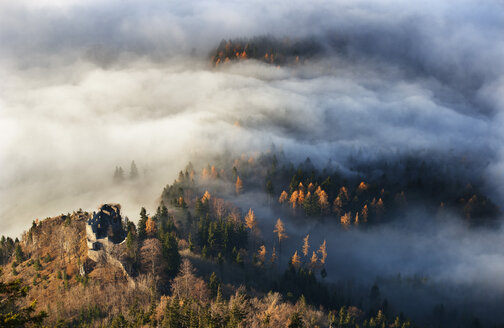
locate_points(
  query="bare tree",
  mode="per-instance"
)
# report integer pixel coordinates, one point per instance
(150, 256)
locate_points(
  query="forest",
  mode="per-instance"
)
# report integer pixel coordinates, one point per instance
(202, 260)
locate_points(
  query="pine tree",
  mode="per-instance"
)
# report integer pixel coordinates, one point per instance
(142, 224)
(133, 171)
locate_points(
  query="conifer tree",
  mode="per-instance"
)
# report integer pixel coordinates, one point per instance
(133, 171)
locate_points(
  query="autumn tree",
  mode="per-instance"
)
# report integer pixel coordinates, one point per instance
(306, 245)
(12, 314)
(251, 223)
(313, 260)
(323, 252)
(186, 285)
(150, 227)
(238, 185)
(280, 232)
(295, 260)
(294, 199)
(283, 197)
(364, 213)
(150, 256)
(345, 220)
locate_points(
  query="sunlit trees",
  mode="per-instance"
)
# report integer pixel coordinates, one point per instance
(251, 223)
(187, 286)
(313, 260)
(150, 227)
(295, 260)
(283, 197)
(323, 253)
(238, 185)
(345, 220)
(280, 232)
(364, 213)
(12, 314)
(294, 199)
(306, 245)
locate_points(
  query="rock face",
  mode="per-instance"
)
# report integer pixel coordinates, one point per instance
(105, 234)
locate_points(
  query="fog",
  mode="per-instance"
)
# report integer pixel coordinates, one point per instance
(90, 85)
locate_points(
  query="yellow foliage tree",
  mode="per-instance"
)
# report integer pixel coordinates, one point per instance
(345, 220)
(238, 185)
(150, 227)
(362, 186)
(280, 231)
(356, 221)
(294, 198)
(314, 260)
(296, 260)
(323, 252)
(301, 197)
(283, 197)
(250, 220)
(323, 202)
(206, 196)
(364, 213)
(213, 172)
(306, 245)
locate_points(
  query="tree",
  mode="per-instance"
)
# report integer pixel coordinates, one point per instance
(187, 286)
(171, 254)
(296, 321)
(261, 254)
(133, 171)
(251, 223)
(238, 185)
(150, 256)
(293, 199)
(142, 224)
(306, 245)
(118, 174)
(345, 220)
(150, 227)
(18, 253)
(280, 231)
(11, 314)
(295, 260)
(283, 197)
(313, 260)
(213, 285)
(323, 252)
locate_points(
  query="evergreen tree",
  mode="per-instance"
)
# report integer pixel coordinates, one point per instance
(133, 171)
(142, 224)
